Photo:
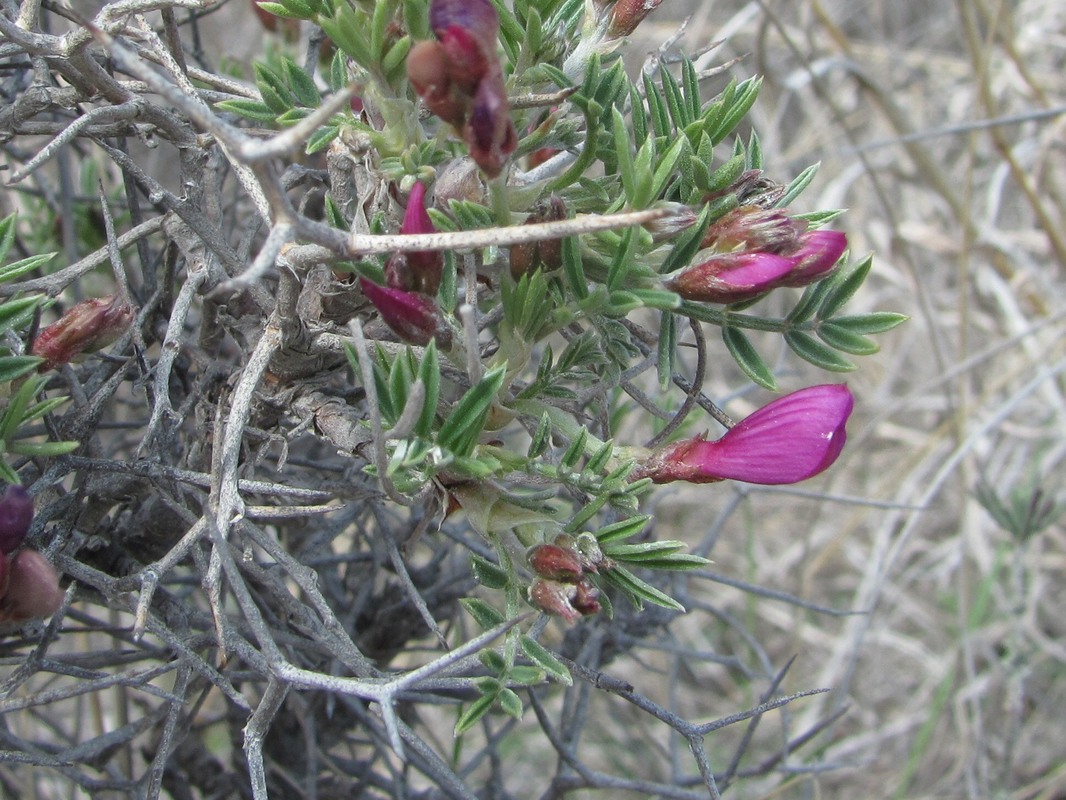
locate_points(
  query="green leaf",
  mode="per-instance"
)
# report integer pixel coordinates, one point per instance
(573, 268)
(600, 458)
(587, 512)
(623, 154)
(798, 184)
(576, 448)
(484, 615)
(475, 712)
(810, 349)
(249, 109)
(643, 551)
(42, 449)
(743, 100)
(747, 357)
(510, 702)
(7, 234)
(667, 346)
(539, 443)
(429, 374)
(12, 367)
(278, 97)
(621, 530)
(462, 427)
(843, 285)
(13, 414)
(302, 84)
(525, 676)
(19, 268)
(666, 171)
(539, 655)
(691, 86)
(660, 117)
(846, 341)
(489, 575)
(723, 177)
(875, 322)
(321, 139)
(675, 101)
(809, 302)
(416, 17)
(639, 589)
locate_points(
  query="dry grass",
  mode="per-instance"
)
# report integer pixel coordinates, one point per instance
(953, 677)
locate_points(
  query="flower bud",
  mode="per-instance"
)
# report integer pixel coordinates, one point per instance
(427, 70)
(816, 256)
(86, 327)
(489, 133)
(755, 229)
(789, 440)
(32, 588)
(427, 266)
(5, 574)
(547, 253)
(554, 598)
(16, 514)
(414, 317)
(555, 563)
(731, 277)
(586, 598)
(626, 15)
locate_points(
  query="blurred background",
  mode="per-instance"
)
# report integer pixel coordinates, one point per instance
(939, 126)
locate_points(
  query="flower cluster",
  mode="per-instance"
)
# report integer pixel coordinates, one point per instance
(561, 587)
(29, 585)
(793, 438)
(87, 327)
(408, 301)
(758, 250)
(460, 79)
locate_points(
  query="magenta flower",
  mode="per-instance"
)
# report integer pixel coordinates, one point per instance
(419, 271)
(758, 249)
(818, 253)
(793, 438)
(731, 277)
(413, 316)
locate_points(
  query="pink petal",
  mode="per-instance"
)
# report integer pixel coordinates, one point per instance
(818, 254)
(787, 441)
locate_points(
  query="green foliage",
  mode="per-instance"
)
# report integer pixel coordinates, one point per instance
(19, 406)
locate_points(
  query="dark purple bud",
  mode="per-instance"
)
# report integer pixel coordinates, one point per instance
(427, 266)
(478, 18)
(16, 514)
(489, 133)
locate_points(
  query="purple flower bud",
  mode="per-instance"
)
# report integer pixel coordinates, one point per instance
(414, 317)
(793, 438)
(16, 514)
(477, 18)
(5, 575)
(86, 327)
(489, 133)
(731, 277)
(555, 563)
(817, 254)
(426, 266)
(32, 588)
